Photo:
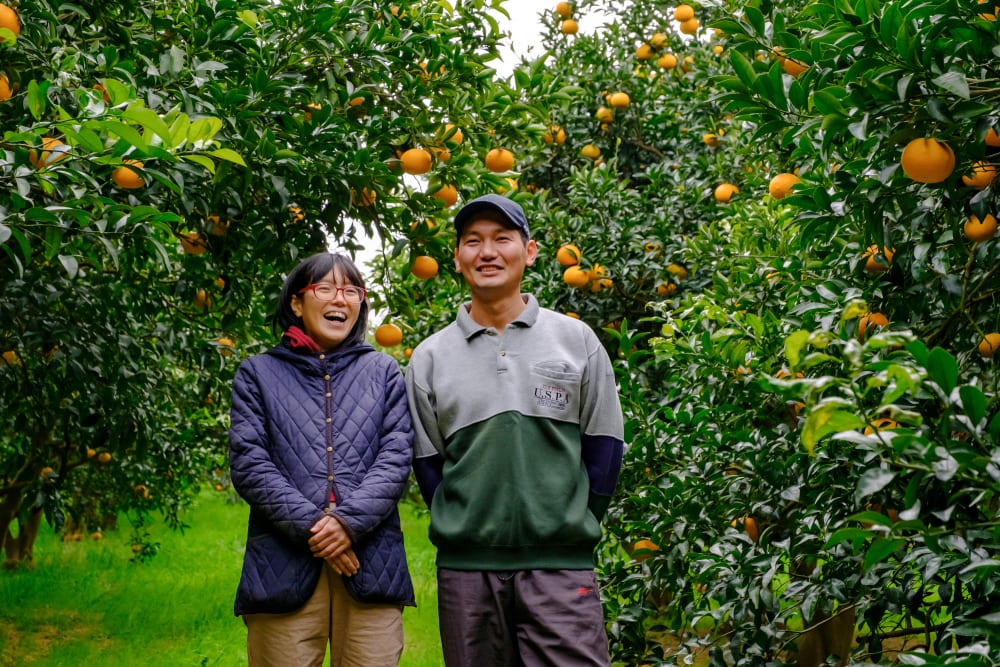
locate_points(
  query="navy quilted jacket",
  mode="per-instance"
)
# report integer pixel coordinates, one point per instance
(305, 425)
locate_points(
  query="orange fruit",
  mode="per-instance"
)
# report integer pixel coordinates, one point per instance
(643, 549)
(590, 151)
(127, 176)
(875, 265)
(782, 184)
(619, 100)
(564, 9)
(91, 453)
(989, 345)
(217, 226)
(677, 271)
(424, 267)
(201, 299)
(224, 346)
(881, 424)
(644, 52)
(104, 457)
(576, 276)
(868, 322)
(983, 174)
(683, 13)
(53, 150)
(416, 161)
(97, 535)
(555, 135)
(992, 138)
(5, 90)
(666, 288)
(499, 160)
(10, 358)
(455, 137)
(9, 20)
(296, 214)
(192, 243)
(793, 67)
(725, 191)
(605, 115)
(569, 27)
(658, 40)
(388, 335)
(977, 230)
(710, 139)
(927, 160)
(749, 525)
(364, 199)
(570, 313)
(446, 193)
(690, 26)
(355, 101)
(667, 61)
(569, 255)
(312, 106)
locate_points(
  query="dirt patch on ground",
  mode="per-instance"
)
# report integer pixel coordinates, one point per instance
(26, 641)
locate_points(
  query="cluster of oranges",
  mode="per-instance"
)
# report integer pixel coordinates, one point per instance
(596, 278)
(569, 26)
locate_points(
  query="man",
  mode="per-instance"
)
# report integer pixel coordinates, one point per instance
(519, 443)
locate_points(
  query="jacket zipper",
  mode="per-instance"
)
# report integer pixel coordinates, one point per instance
(331, 489)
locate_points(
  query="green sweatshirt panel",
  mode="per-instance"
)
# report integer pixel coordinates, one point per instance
(515, 496)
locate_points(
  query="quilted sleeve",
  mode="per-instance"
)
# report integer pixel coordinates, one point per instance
(385, 480)
(255, 476)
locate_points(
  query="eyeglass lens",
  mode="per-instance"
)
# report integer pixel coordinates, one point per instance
(326, 292)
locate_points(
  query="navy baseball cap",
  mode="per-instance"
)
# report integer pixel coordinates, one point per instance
(508, 209)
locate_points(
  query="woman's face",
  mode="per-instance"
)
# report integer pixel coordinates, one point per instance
(327, 322)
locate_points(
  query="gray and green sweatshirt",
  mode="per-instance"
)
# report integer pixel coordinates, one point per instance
(519, 440)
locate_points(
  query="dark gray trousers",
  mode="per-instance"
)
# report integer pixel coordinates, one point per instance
(525, 618)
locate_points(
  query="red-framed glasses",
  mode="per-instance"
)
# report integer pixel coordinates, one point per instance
(329, 291)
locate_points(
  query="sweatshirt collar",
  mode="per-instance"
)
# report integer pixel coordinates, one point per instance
(470, 327)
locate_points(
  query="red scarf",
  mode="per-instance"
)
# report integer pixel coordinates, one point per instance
(299, 339)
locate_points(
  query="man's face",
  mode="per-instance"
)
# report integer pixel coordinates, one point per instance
(492, 257)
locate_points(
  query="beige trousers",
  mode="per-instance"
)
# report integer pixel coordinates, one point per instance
(359, 634)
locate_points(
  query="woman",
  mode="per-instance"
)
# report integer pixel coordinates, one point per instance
(320, 447)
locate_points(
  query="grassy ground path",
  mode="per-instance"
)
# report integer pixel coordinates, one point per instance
(85, 603)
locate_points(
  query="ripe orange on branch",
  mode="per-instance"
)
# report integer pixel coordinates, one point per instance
(927, 160)
(989, 345)
(983, 174)
(9, 20)
(569, 255)
(564, 9)
(724, 192)
(875, 265)
(569, 27)
(5, 90)
(416, 161)
(643, 549)
(619, 100)
(576, 276)
(127, 176)
(52, 151)
(388, 335)
(499, 160)
(977, 230)
(424, 267)
(782, 184)
(683, 13)
(868, 322)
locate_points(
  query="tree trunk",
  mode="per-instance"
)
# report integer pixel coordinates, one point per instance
(8, 510)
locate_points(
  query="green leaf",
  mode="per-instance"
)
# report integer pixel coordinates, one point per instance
(148, 119)
(855, 536)
(955, 83)
(872, 481)
(70, 264)
(973, 402)
(943, 369)
(206, 162)
(229, 155)
(825, 420)
(203, 129)
(743, 68)
(826, 102)
(794, 344)
(881, 549)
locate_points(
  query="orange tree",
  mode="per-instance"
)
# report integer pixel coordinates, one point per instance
(812, 422)
(163, 166)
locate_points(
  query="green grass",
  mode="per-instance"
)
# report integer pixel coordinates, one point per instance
(85, 603)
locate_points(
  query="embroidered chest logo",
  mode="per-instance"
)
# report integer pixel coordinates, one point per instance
(551, 396)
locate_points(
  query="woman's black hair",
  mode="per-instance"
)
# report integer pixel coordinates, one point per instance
(308, 272)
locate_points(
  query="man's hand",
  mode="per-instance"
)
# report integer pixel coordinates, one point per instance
(329, 539)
